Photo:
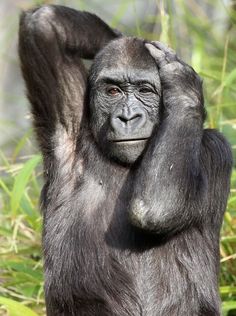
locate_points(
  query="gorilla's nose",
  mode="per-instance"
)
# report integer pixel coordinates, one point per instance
(128, 120)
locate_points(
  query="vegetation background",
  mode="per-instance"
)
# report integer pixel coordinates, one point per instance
(204, 35)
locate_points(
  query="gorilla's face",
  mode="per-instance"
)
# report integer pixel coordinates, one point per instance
(124, 99)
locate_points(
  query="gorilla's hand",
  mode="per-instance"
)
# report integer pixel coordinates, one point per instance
(181, 85)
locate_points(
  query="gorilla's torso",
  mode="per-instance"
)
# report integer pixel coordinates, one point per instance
(118, 264)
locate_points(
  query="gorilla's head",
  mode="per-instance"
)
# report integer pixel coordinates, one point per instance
(125, 94)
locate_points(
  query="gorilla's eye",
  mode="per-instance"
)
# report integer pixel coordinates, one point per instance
(113, 91)
(145, 90)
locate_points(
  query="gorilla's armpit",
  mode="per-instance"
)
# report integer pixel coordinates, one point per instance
(135, 188)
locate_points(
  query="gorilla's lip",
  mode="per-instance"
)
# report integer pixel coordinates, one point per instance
(130, 140)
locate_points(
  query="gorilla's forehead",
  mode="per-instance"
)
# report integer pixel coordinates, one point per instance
(127, 51)
(128, 74)
(126, 59)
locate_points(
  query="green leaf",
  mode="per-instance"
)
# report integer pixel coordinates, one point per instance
(21, 181)
(197, 55)
(210, 74)
(21, 144)
(165, 22)
(227, 290)
(15, 308)
(228, 306)
(230, 78)
(228, 239)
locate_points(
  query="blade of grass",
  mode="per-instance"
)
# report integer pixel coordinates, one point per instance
(15, 308)
(21, 181)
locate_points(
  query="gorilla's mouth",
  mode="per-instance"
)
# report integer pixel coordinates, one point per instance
(130, 141)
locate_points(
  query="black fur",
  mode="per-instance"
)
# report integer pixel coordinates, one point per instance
(130, 230)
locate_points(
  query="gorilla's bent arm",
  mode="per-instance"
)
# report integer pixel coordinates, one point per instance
(52, 39)
(185, 166)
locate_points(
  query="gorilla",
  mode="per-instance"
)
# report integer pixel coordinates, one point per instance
(135, 187)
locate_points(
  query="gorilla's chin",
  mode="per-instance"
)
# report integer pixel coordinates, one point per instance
(127, 152)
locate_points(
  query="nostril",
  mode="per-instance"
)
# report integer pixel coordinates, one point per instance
(125, 119)
(122, 119)
(136, 117)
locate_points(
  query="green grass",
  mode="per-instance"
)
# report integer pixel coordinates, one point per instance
(212, 53)
(20, 235)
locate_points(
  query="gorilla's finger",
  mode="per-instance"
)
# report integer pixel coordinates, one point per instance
(157, 54)
(169, 52)
(165, 48)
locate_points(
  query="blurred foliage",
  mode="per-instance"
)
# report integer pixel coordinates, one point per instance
(204, 37)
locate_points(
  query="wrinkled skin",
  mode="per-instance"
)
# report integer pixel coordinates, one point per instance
(135, 189)
(124, 100)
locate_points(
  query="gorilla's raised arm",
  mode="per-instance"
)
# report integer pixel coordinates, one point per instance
(52, 39)
(185, 166)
